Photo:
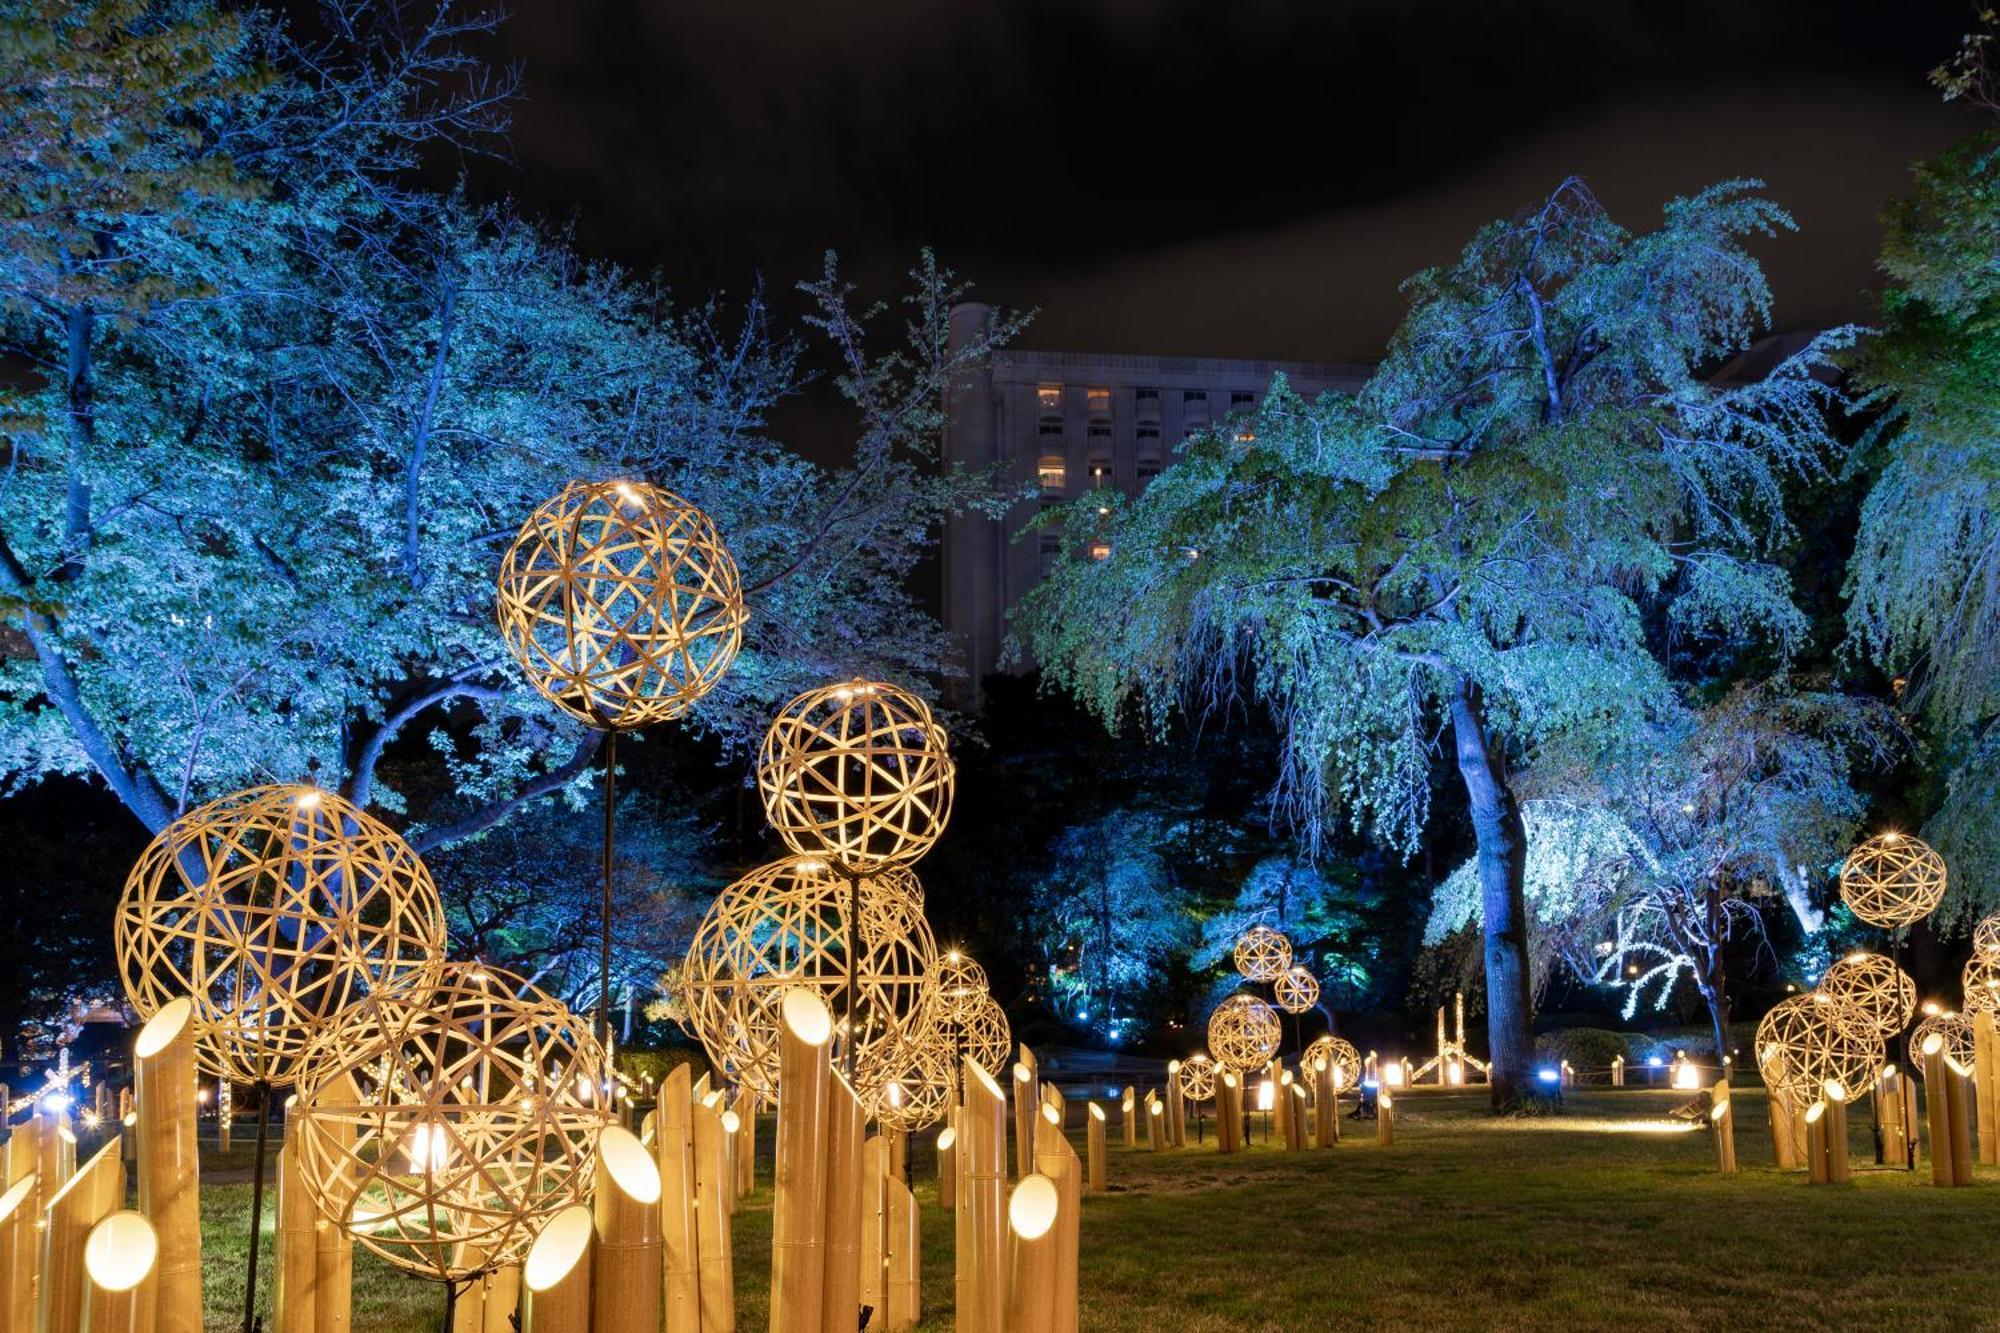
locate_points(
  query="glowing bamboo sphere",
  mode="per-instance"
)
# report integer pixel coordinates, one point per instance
(621, 603)
(916, 1086)
(1808, 1040)
(1243, 1032)
(1197, 1078)
(274, 909)
(1340, 1057)
(1263, 954)
(958, 985)
(858, 773)
(1986, 935)
(1980, 983)
(1892, 880)
(786, 925)
(984, 1035)
(1296, 990)
(1953, 1029)
(1876, 987)
(441, 1128)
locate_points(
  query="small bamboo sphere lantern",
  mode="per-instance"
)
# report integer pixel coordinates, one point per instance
(858, 773)
(916, 1086)
(621, 603)
(984, 1035)
(1243, 1032)
(1876, 987)
(1986, 935)
(958, 984)
(1892, 880)
(442, 1128)
(1339, 1055)
(1296, 990)
(1262, 954)
(1809, 1040)
(1954, 1030)
(785, 925)
(1980, 983)
(274, 909)
(1197, 1078)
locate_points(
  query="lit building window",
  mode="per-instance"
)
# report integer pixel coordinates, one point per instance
(1051, 473)
(1100, 550)
(1099, 402)
(1050, 398)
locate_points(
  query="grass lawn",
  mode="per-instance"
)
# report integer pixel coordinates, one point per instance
(1576, 1221)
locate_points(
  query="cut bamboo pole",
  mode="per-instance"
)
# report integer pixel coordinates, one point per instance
(1129, 1107)
(1722, 1123)
(1228, 1112)
(1938, 1101)
(1027, 1099)
(1326, 1106)
(1055, 1159)
(875, 1223)
(1958, 1089)
(673, 1153)
(1032, 1214)
(502, 1302)
(19, 1248)
(119, 1282)
(1911, 1117)
(1986, 1085)
(947, 1164)
(295, 1254)
(1156, 1123)
(89, 1196)
(1094, 1148)
(982, 1279)
(840, 1280)
(468, 1307)
(1295, 1120)
(169, 1173)
(715, 1256)
(1838, 1169)
(1176, 1107)
(899, 1153)
(65, 1148)
(1385, 1117)
(333, 1257)
(906, 1258)
(1888, 1103)
(556, 1278)
(1816, 1152)
(627, 1267)
(1786, 1146)
(798, 1218)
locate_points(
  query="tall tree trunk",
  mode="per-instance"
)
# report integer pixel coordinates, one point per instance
(1715, 987)
(1502, 841)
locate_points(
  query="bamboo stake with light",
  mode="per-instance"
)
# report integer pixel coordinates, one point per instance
(840, 1273)
(503, 1300)
(875, 1223)
(1722, 1123)
(947, 1165)
(169, 1171)
(982, 1277)
(1786, 1146)
(1838, 1170)
(1027, 1101)
(1816, 1154)
(333, 1247)
(1228, 1112)
(798, 1216)
(1129, 1107)
(1958, 1092)
(1326, 1106)
(1055, 1159)
(1986, 1085)
(628, 1268)
(119, 1282)
(1295, 1118)
(1176, 1106)
(556, 1278)
(295, 1253)
(1156, 1129)
(1385, 1117)
(715, 1258)
(906, 1240)
(19, 1248)
(89, 1196)
(1094, 1149)
(746, 1142)
(673, 1154)
(468, 1303)
(1888, 1103)
(1032, 1215)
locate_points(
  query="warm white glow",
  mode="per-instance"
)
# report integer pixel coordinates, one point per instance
(1686, 1077)
(121, 1251)
(1266, 1095)
(947, 1139)
(1096, 1113)
(1836, 1091)
(1032, 1209)
(1814, 1112)
(1154, 1108)
(1022, 1073)
(628, 1163)
(163, 1027)
(562, 1244)
(13, 1198)
(1719, 1110)
(807, 1016)
(429, 1148)
(1392, 1073)
(1933, 1043)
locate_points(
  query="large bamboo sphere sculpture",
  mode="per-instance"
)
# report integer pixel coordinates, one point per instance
(984, 1035)
(435, 1122)
(916, 1086)
(1807, 1040)
(1986, 935)
(958, 984)
(1980, 983)
(1876, 987)
(621, 603)
(1243, 1032)
(274, 909)
(1892, 880)
(785, 925)
(1197, 1077)
(858, 773)
(1340, 1056)
(1263, 954)
(1955, 1028)
(1296, 990)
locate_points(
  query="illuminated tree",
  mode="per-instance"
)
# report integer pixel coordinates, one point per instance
(1477, 539)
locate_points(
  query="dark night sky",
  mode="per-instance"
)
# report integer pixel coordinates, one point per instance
(1247, 177)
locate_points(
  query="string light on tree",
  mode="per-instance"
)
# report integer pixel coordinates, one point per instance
(1892, 880)
(1263, 954)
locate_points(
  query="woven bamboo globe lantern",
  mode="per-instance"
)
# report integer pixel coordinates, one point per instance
(1243, 1032)
(957, 986)
(984, 1036)
(1892, 880)
(1980, 984)
(621, 603)
(1339, 1055)
(858, 773)
(1296, 990)
(916, 1086)
(1808, 1040)
(1262, 954)
(1197, 1077)
(1986, 935)
(274, 909)
(785, 925)
(1955, 1028)
(1876, 987)
(442, 1127)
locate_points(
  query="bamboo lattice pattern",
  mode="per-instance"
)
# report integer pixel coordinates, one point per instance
(274, 909)
(1197, 1078)
(1807, 1040)
(916, 1085)
(1986, 935)
(441, 1127)
(1955, 1028)
(957, 986)
(621, 603)
(1892, 880)
(1296, 990)
(1340, 1056)
(1263, 954)
(1876, 987)
(1243, 1032)
(1980, 983)
(984, 1035)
